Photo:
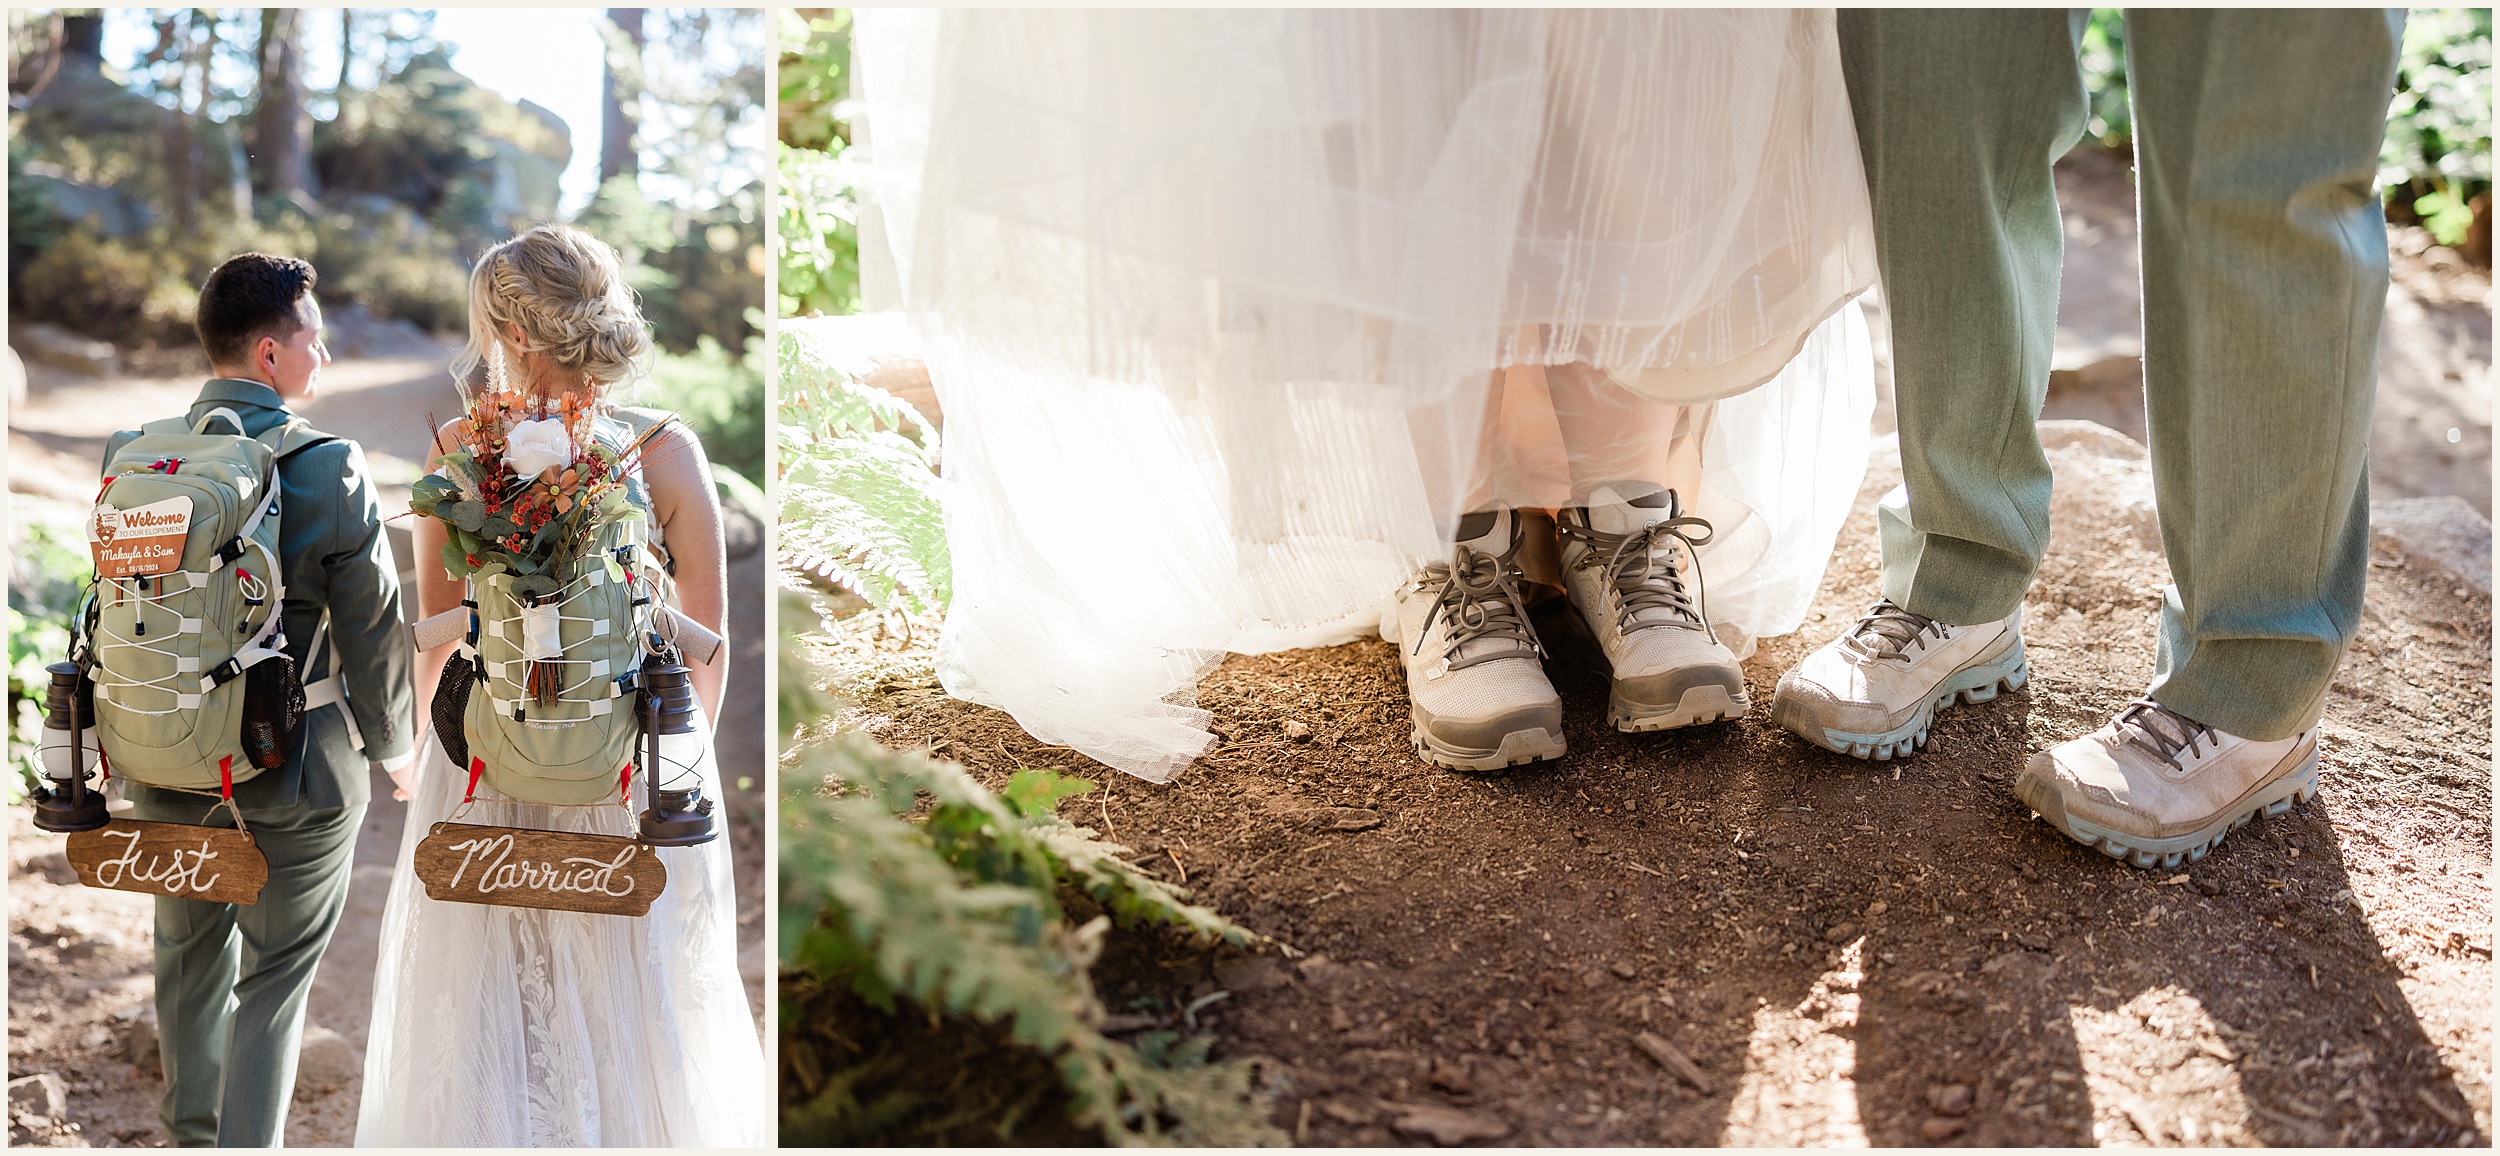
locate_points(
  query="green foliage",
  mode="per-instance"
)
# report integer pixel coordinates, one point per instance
(699, 273)
(426, 138)
(959, 913)
(105, 287)
(719, 397)
(33, 226)
(416, 175)
(380, 253)
(819, 233)
(803, 613)
(815, 75)
(2103, 58)
(859, 498)
(2437, 155)
(819, 219)
(49, 573)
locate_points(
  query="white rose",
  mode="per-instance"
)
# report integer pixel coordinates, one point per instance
(533, 446)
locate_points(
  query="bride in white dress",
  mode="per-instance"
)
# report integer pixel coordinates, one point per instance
(513, 1027)
(1231, 313)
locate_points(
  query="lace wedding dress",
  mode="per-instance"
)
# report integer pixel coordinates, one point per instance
(1227, 312)
(510, 1027)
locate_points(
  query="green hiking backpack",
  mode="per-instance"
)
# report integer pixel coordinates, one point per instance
(183, 634)
(577, 745)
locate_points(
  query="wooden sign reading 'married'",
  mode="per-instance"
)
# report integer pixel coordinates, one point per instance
(554, 870)
(216, 864)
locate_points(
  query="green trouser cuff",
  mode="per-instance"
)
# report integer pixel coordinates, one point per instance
(1956, 581)
(2259, 664)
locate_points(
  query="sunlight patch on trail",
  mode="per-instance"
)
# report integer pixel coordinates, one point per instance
(1800, 1083)
(2195, 1080)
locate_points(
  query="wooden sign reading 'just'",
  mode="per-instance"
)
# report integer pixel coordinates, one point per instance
(553, 870)
(216, 864)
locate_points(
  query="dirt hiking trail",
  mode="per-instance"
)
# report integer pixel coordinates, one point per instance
(1720, 935)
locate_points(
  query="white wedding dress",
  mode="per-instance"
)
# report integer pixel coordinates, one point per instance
(507, 1027)
(1218, 305)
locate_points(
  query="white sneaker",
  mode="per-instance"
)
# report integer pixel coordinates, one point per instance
(2155, 788)
(1873, 692)
(1473, 671)
(1630, 568)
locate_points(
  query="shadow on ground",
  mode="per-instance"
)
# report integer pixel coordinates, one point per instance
(1845, 952)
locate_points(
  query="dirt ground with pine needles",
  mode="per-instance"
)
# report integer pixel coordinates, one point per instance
(1720, 935)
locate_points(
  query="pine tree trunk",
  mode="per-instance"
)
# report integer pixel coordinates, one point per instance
(347, 54)
(281, 125)
(617, 155)
(182, 140)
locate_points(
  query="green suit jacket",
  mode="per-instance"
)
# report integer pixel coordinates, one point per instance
(337, 559)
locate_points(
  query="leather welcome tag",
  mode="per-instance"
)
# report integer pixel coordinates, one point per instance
(140, 540)
(550, 870)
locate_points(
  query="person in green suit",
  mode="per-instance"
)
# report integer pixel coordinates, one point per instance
(2257, 138)
(231, 980)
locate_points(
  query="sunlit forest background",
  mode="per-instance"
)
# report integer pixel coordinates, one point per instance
(390, 171)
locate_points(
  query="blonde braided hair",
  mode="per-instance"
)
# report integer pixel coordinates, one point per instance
(565, 291)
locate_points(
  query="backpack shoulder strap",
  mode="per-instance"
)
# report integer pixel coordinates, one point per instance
(219, 414)
(639, 420)
(293, 437)
(166, 425)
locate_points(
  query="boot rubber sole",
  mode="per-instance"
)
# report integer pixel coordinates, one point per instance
(1980, 682)
(1528, 746)
(2295, 781)
(1701, 704)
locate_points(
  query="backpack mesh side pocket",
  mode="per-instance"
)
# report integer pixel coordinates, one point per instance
(273, 708)
(451, 707)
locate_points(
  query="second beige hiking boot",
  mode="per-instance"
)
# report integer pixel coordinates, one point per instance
(1630, 566)
(1474, 671)
(2155, 788)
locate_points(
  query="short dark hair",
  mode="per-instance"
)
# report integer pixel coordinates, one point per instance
(250, 296)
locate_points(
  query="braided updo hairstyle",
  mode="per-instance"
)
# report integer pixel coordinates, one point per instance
(565, 291)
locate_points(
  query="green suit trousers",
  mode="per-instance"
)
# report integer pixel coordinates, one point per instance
(2265, 271)
(231, 980)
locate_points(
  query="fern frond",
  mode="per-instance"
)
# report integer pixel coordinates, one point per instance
(956, 912)
(860, 501)
(1135, 897)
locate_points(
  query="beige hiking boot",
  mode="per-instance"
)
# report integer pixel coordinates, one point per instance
(2156, 788)
(1873, 692)
(1632, 573)
(1474, 670)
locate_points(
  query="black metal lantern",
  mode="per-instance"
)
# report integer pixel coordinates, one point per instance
(69, 754)
(672, 817)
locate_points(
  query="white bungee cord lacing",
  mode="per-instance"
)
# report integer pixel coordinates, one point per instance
(150, 591)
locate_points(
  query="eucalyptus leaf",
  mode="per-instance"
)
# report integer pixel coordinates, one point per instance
(540, 586)
(430, 491)
(468, 515)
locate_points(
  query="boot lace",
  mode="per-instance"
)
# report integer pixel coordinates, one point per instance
(1647, 578)
(1480, 600)
(1888, 633)
(2162, 732)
